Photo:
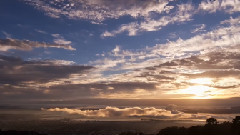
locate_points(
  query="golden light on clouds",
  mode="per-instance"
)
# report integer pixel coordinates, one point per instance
(199, 92)
(200, 89)
(201, 81)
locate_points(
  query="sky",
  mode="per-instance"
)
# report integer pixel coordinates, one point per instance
(119, 49)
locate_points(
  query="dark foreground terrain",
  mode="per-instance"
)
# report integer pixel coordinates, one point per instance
(212, 127)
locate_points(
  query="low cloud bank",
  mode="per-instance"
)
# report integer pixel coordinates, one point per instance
(137, 112)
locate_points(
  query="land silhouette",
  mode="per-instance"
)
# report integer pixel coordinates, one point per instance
(212, 127)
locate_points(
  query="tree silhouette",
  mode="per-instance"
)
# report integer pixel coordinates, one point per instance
(212, 127)
(236, 121)
(236, 125)
(211, 121)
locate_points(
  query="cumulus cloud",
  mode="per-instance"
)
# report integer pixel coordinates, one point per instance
(112, 112)
(26, 45)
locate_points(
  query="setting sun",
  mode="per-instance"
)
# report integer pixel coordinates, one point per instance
(198, 92)
(201, 81)
(199, 88)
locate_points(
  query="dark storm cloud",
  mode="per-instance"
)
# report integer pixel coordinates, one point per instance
(15, 71)
(26, 45)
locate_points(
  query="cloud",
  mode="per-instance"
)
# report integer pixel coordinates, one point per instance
(169, 66)
(200, 28)
(99, 10)
(54, 79)
(218, 60)
(225, 37)
(183, 14)
(228, 6)
(171, 113)
(60, 40)
(232, 21)
(114, 112)
(15, 71)
(41, 31)
(151, 72)
(7, 35)
(26, 45)
(113, 90)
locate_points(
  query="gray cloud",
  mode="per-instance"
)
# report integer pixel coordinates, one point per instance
(52, 79)
(213, 60)
(99, 89)
(14, 70)
(217, 74)
(55, 79)
(26, 45)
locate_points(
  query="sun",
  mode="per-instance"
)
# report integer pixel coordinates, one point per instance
(199, 88)
(201, 81)
(198, 92)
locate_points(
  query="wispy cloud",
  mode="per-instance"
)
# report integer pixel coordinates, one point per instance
(60, 40)
(167, 64)
(7, 35)
(229, 6)
(184, 13)
(166, 70)
(199, 28)
(26, 45)
(99, 10)
(223, 37)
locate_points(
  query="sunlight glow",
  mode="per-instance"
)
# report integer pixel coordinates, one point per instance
(200, 91)
(201, 81)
